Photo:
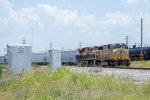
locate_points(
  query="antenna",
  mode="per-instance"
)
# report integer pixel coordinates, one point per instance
(24, 40)
(46, 49)
(32, 35)
(62, 48)
(51, 46)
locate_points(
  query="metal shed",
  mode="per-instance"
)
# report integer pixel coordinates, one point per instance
(19, 58)
(54, 59)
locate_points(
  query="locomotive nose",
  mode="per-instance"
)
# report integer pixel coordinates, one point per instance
(121, 54)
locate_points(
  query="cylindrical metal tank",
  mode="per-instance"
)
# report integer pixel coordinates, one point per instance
(3, 59)
(69, 56)
(40, 57)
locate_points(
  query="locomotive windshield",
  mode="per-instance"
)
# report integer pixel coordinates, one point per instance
(120, 46)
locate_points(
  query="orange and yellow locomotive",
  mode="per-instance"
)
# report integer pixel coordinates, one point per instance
(105, 55)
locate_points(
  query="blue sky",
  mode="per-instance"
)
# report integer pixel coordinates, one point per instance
(68, 22)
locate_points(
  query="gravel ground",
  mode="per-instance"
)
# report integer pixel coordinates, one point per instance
(135, 75)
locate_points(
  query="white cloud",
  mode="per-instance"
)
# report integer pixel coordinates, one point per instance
(131, 1)
(5, 8)
(66, 17)
(63, 26)
(117, 19)
(135, 2)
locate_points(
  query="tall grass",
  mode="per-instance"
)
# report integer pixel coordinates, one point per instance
(66, 85)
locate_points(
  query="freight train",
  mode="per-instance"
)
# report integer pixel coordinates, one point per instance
(135, 53)
(105, 55)
(40, 58)
(68, 57)
(3, 59)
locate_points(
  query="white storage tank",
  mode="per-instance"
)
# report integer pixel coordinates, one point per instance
(54, 59)
(19, 58)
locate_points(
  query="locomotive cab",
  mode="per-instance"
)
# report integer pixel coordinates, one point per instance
(120, 54)
(115, 55)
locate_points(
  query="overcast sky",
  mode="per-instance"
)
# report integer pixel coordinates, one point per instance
(68, 22)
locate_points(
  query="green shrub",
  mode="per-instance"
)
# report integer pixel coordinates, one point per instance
(1, 70)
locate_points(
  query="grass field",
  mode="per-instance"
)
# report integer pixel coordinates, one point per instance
(65, 85)
(140, 64)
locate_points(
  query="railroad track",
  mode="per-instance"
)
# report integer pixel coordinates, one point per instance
(131, 68)
(122, 67)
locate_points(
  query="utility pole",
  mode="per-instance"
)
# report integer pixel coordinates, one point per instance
(80, 44)
(141, 39)
(127, 40)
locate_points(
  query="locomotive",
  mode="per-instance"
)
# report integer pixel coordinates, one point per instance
(105, 55)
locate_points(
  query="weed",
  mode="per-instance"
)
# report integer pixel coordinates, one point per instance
(65, 85)
(1, 71)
